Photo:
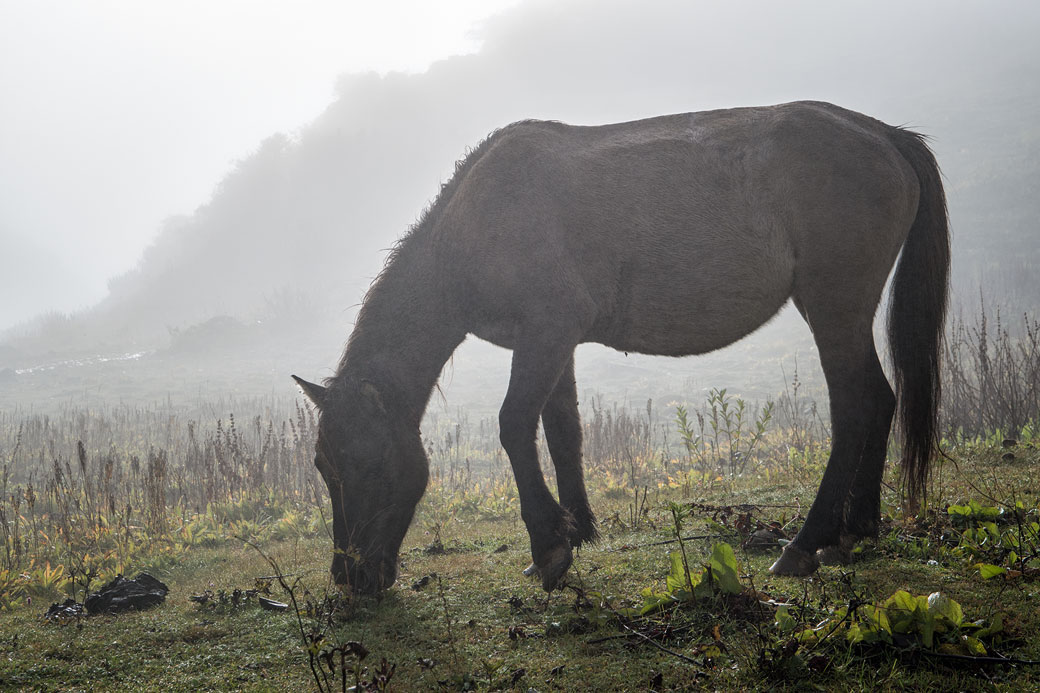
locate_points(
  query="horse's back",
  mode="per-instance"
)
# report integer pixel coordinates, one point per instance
(682, 233)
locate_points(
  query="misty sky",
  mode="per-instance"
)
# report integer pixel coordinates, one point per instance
(116, 114)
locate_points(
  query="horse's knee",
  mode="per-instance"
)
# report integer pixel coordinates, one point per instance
(513, 433)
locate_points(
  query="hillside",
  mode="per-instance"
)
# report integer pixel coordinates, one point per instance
(273, 265)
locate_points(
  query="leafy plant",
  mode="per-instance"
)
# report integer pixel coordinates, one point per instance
(719, 576)
(729, 433)
(933, 621)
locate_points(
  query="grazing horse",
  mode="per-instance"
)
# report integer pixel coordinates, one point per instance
(674, 235)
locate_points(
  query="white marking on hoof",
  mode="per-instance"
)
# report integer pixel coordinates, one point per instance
(795, 562)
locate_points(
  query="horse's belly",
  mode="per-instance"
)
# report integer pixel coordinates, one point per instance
(680, 315)
(682, 333)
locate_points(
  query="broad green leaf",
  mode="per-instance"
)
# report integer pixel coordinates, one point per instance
(807, 636)
(724, 569)
(922, 603)
(988, 570)
(901, 608)
(784, 620)
(927, 627)
(985, 512)
(973, 646)
(901, 600)
(705, 587)
(877, 618)
(677, 579)
(652, 601)
(941, 605)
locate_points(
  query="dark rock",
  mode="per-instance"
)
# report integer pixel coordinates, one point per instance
(423, 581)
(122, 594)
(68, 609)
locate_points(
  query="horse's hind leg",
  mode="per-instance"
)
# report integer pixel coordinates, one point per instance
(863, 507)
(860, 397)
(562, 425)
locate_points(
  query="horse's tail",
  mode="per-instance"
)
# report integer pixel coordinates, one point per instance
(917, 316)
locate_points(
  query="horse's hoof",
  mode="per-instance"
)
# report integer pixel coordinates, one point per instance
(833, 555)
(838, 554)
(531, 571)
(554, 566)
(795, 562)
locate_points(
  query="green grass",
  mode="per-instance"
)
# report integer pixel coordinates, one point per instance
(175, 647)
(461, 616)
(480, 625)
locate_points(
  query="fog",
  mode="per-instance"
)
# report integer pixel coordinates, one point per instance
(267, 242)
(117, 114)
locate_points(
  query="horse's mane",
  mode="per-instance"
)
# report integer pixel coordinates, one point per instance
(433, 210)
(427, 219)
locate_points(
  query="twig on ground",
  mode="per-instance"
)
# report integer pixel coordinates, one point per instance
(979, 660)
(629, 547)
(659, 646)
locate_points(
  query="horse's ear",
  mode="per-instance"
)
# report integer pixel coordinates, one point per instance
(315, 393)
(371, 397)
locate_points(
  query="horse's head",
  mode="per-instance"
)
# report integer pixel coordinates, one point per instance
(376, 470)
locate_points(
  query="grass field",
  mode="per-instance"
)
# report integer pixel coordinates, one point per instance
(220, 512)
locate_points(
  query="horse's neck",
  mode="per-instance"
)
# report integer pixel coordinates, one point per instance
(403, 336)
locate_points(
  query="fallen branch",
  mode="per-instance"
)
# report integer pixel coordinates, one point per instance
(622, 621)
(629, 547)
(979, 660)
(279, 577)
(659, 645)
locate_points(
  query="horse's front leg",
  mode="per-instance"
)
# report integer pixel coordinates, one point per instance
(537, 367)
(562, 426)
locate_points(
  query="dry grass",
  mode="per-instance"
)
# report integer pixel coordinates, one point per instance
(87, 494)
